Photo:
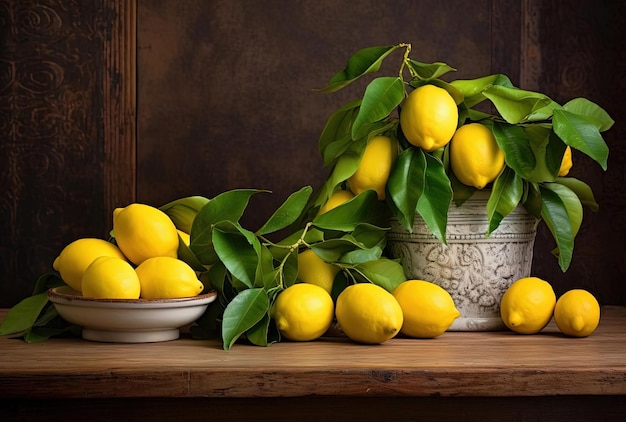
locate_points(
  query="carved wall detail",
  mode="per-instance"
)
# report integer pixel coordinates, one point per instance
(51, 133)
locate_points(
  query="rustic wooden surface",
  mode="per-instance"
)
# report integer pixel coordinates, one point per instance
(456, 364)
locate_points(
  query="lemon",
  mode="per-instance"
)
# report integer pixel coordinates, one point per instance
(577, 313)
(76, 257)
(164, 277)
(527, 305)
(428, 117)
(110, 278)
(143, 232)
(184, 237)
(303, 312)
(314, 270)
(337, 198)
(566, 162)
(475, 157)
(375, 167)
(428, 309)
(368, 314)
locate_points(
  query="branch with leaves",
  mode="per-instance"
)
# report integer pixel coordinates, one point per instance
(531, 129)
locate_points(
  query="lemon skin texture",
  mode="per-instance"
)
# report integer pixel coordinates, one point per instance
(368, 314)
(429, 117)
(78, 255)
(577, 313)
(303, 312)
(527, 305)
(375, 167)
(110, 278)
(428, 309)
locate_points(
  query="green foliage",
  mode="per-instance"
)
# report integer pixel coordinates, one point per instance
(248, 270)
(531, 128)
(35, 318)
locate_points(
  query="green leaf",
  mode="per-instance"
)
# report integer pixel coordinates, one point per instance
(506, 195)
(589, 109)
(359, 256)
(258, 333)
(381, 97)
(346, 166)
(383, 272)
(238, 251)
(363, 208)
(365, 240)
(531, 199)
(337, 133)
(47, 281)
(290, 269)
(515, 105)
(406, 184)
(227, 206)
(242, 313)
(436, 197)
(185, 254)
(217, 278)
(367, 60)
(452, 90)
(23, 315)
(548, 150)
(582, 190)
(581, 133)
(472, 89)
(428, 70)
(572, 204)
(554, 213)
(288, 212)
(518, 153)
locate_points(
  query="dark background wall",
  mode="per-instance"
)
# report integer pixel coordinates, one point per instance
(224, 99)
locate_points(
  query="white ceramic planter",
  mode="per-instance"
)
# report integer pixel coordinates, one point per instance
(476, 270)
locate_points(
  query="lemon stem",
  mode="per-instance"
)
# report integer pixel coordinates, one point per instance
(292, 248)
(405, 59)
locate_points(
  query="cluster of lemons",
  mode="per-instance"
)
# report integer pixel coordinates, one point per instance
(365, 312)
(530, 303)
(142, 263)
(429, 120)
(369, 314)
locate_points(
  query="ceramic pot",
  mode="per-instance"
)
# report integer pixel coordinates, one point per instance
(475, 269)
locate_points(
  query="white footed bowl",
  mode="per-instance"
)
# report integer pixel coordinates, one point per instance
(128, 320)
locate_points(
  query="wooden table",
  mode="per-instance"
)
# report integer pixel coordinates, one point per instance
(483, 376)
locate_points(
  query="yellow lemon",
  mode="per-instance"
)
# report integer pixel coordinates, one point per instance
(76, 257)
(368, 314)
(566, 162)
(314, 270)
(527, 305)
(577, 313)
(428, 117)
(184, 237)
(428, 309)
(375, 167)
(143, 232)
(110, 278)
(475, 157)
(303, 312)
(336, 199)
(164, 277)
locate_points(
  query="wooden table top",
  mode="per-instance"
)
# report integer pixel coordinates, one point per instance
(486, 364)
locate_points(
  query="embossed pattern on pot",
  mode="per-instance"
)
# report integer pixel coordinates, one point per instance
(475, 269)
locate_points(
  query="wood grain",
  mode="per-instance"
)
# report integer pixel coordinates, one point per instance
(490, 364)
